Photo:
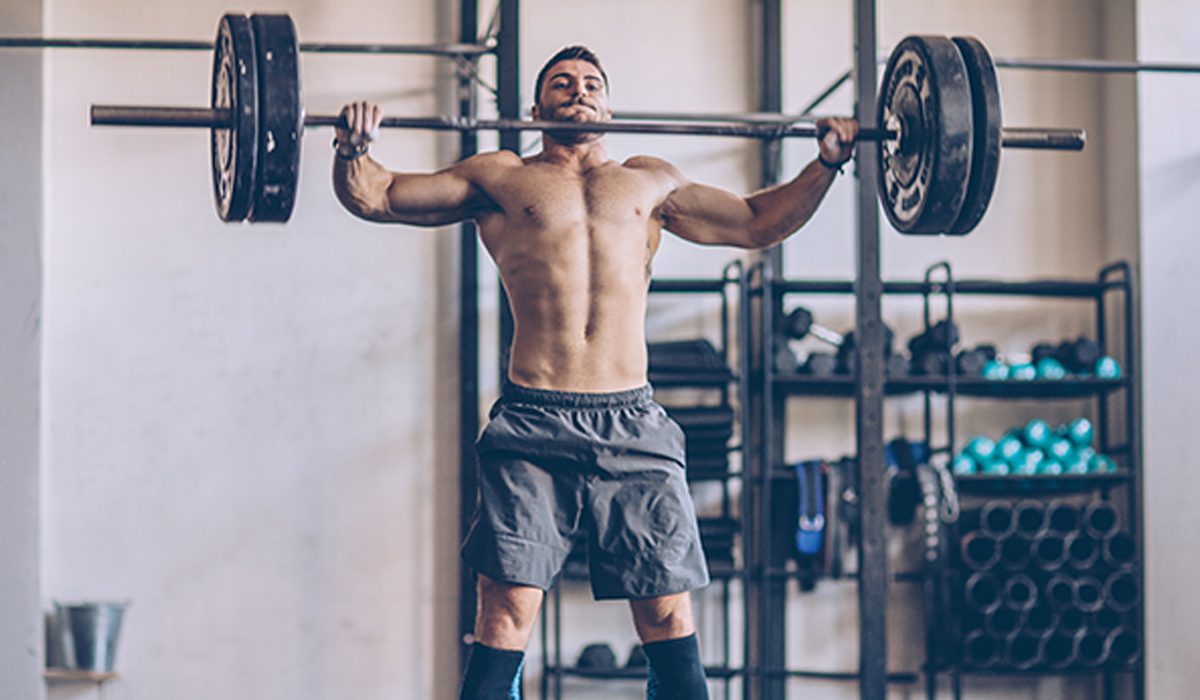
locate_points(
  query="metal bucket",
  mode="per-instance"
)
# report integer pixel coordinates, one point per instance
(89, 634)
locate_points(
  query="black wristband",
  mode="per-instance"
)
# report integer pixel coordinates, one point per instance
(831, 166)
(359, 151)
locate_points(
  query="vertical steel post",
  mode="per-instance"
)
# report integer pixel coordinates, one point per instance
(766, 597)
(868, 289)
(508, 89)
(468, 333)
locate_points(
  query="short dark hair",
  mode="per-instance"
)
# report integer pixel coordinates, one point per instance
(569, 53)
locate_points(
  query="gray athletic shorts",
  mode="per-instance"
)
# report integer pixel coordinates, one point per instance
(555, 463)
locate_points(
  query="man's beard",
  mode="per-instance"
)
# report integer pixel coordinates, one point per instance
(571, 137)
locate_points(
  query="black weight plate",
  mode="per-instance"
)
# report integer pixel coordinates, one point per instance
(926, 96)
(280, 120)
(987, 127)
(234, 87)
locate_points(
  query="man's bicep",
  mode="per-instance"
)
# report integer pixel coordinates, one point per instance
(439, 196)
(707, 215)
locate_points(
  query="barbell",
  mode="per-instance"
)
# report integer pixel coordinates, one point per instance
(938, 115)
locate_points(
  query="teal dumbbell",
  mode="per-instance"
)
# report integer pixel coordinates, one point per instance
(1107, 368)
(1028, 464)
(1022, 372)
(1059, 448)
(1008, 447)
(981, 449)
(996, 467)
(1037, 433)
(1050, 368)
(963, 464)
(995, 370)
(1075, 463)
(1015, 458)
(1101, 464)
(1079, 432)
(1050, 466)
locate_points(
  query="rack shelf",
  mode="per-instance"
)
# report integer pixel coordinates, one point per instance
(843, 386)
(720, 672)
(984, 484)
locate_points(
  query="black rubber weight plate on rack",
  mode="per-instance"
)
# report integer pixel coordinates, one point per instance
(987, 128)
(280, 118)
(926, 96)
(234, 87)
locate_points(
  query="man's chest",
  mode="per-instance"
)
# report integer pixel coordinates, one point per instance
(540, 197)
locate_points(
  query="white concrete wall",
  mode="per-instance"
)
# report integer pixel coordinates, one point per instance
(21, 645)
(250, 430)
(1169, 181)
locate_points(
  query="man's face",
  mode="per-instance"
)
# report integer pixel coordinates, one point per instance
(573, 90)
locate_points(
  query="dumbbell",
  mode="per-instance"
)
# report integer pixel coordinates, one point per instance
(1079, 431)
(1049, 368)
(942, 335)
(1022, 371)
(1042, 351)
(1107, 368)
(995, 370)
(798, 324)
(784, 357)
(597, 656)
(930, 364)
(1079, 355)
(962, 464)
(972, 362)
(820, 364)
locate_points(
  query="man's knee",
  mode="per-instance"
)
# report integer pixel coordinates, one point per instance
(663, 617)
(506, 613)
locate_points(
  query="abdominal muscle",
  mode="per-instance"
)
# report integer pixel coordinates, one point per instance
(579, 305)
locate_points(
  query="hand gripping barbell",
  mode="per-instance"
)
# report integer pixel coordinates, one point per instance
(939, 111)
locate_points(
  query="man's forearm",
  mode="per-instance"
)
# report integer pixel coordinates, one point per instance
(362, 185)
(781, 210)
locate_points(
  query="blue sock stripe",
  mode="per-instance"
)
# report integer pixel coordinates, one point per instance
(651, 684)
(514, 693)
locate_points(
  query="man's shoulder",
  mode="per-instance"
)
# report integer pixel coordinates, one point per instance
(648, 163)
(490, 160)
(485, 165)
(656, 166)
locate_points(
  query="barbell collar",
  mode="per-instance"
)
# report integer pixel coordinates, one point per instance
(1044, 139)
(172, 117)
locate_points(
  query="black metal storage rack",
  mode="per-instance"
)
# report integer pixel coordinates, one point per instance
(1113, 280)
(728, 382)
(776, 387)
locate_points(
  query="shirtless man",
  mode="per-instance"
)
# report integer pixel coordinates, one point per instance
(575, 442)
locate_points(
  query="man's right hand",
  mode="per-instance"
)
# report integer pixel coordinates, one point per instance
(362, 120)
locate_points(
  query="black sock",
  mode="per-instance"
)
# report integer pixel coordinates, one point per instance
(676, 672)
(492, 674)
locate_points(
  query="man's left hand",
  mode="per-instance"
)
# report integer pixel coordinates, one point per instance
(837, 143)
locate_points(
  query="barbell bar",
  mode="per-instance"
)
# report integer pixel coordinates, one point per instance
(211, 118)
(938, 123)
(1097, 65)
(433, 49)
